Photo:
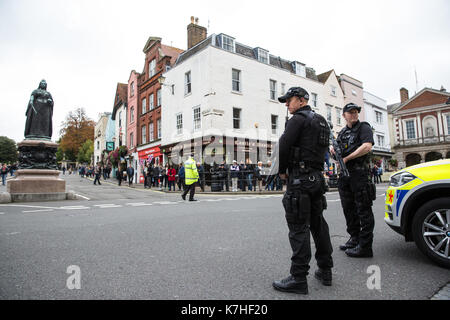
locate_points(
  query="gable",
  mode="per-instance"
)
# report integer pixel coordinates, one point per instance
(424, 99)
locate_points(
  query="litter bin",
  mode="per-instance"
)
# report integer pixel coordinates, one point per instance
(216, 184)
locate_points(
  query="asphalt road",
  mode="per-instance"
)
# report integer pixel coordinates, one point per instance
(144, 244)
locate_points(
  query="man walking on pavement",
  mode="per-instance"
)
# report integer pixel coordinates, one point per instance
(97, 172)
(191, 177)
(130, 174)
(302, 149)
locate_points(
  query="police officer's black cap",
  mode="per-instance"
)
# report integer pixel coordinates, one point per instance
(350, 106)
(294, 91)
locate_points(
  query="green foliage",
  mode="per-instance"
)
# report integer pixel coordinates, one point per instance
(393, 163)
(59, 154)
(8, 150)
(85, 152)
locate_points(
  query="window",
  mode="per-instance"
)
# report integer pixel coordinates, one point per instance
(144, 105)
(273, 89)
(378, 117)
(283, 88)
(179, 123)
(227, 43)
(410, 129)
(158, 128)
(131, 139)
(314, 99)
(236, 80)
(236, 118)
(132, 89)
(98, 145)
(151, 102)
(144, 134)
(168, 68)
(187, 83)
(152, 68)
(131, 114)
(151, 135)
(263, 55)
(329, 112)
(300, 69)
(380, 140)
(448, 124)
(197, 119)
(333, 91)
(120, 119)
(274, 121)
(338, 115)
(158, 98)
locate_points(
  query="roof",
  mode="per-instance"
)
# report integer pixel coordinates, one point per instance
(246, 51)
(425, 97)
(120, 98)
(392, 107)
(323, 77)
(171, 52)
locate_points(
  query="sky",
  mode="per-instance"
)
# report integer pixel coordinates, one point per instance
(84, 48)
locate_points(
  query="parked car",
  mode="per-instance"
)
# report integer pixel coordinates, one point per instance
(418, 206)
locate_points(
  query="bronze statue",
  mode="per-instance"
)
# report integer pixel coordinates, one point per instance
(39, 114)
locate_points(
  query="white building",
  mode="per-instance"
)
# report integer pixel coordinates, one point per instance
(100, 136)
(375, 113)
(228, 90)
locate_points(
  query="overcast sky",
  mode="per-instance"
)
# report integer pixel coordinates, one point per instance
(83, 48)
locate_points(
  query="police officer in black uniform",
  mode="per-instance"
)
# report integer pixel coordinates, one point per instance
(302, 149)
(357, 191)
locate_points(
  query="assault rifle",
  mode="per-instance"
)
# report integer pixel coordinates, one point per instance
(338, 152)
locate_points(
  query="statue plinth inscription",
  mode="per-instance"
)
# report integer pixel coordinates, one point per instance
(38, 170)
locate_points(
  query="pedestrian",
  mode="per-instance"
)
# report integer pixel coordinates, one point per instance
(97, 172)
(259, 175)
(269, 178)
(224, 171)
(191, 177)
(242, 176)
(64, 170)
(130, 174)
(156, 173)
(119, 174)
(201, 176)
(374, 174)
(357, 191)
(4, 173)
(171, 173)
(302, 149)
(234, 173)
(250, 173)
(379, 174)
(165, 176)
(181, 177)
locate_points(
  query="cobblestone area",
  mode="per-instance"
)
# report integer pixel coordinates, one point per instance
(443, 294)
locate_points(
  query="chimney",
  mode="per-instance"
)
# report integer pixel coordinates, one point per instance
(404, 95)
(443, 89)
(195, 33)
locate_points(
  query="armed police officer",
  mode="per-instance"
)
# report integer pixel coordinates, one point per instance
(302, 149)
(356, 191)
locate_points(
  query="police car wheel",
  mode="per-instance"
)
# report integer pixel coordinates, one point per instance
(431, 230)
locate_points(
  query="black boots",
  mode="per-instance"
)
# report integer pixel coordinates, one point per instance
(290, 284)
(358, 252)
(324, 276)
(351, 243)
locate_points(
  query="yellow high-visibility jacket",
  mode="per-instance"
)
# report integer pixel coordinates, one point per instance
(191, 173)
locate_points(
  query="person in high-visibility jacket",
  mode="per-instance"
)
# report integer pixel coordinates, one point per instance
(191, 177)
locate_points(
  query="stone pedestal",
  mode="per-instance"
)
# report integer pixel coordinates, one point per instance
(37, 178)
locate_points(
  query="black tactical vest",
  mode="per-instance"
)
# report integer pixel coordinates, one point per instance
(349, 140)
(314, 139)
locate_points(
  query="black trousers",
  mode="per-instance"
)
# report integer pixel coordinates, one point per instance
(191, 189)
(356, 203)
(97, 178)
(304, 217)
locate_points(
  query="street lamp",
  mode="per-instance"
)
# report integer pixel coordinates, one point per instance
(161, 81)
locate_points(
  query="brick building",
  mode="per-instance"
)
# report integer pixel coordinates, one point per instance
(420, 126)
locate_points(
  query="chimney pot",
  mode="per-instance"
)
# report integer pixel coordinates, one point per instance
(195, 33)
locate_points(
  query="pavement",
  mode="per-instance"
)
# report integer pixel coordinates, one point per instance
(133, 243)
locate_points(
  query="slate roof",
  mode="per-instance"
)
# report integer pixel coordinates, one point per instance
(121, 97)
(323, 77)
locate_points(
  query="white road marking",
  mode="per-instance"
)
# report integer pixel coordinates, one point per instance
(25, 206)
(139, 204)
(107, 205)
(73, 208)
(79, 195)
(2, 213)
(11, 234)
(42, 210)
(164, 202)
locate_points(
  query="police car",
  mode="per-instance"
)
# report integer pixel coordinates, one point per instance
(418, 206)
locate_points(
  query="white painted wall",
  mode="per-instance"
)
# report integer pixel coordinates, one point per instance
(373, 103)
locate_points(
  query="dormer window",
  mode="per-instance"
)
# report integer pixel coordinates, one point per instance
(300, 69)
(263, 55)
(228, 43)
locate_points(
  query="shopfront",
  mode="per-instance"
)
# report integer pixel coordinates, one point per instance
(148, 155)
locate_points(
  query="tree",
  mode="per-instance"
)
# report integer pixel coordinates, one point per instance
(76, 130)
(8, 150)
(85, 152)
